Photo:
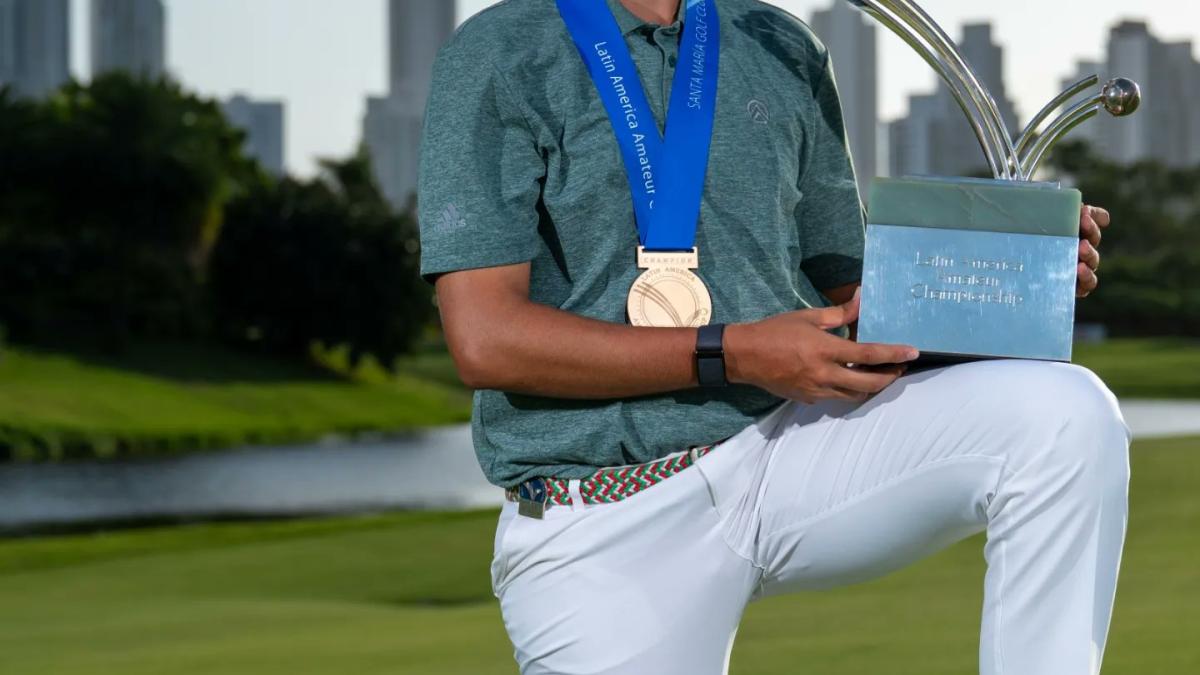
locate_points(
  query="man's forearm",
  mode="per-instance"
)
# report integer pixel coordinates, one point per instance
(529, 348)
(502, 340)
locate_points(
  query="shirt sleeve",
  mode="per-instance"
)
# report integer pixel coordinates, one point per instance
(480, 170)
(830, 215)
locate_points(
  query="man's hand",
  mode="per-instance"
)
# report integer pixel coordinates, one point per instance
(792, 356)
(1092, 220)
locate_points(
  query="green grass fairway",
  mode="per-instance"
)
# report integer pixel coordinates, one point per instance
(164, 399)
(408, 594)
(1146, 368)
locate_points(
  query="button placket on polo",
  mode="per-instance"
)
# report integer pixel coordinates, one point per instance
(666, 39)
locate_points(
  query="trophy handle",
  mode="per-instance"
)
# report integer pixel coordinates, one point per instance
(1120, 97)
(984, 130)
(1071, 92)
(982, 95)
(1078, 114)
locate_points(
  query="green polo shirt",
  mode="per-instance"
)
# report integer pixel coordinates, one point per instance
(519, 164)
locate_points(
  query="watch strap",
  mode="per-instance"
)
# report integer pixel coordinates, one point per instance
(710, 356)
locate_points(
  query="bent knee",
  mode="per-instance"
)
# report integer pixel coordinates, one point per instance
(1089, 405)
(1091, 428)
(1057, 404)
(1060, 393)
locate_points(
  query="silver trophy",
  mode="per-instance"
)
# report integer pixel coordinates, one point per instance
(1007, 159)
(967, 268)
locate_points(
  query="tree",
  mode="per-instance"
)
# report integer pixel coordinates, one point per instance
(1149, 285)
(111, 198)
(325, 260)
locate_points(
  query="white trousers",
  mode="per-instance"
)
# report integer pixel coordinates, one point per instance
(825, 495)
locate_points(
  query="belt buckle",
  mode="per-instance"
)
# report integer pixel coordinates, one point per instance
(532, 497)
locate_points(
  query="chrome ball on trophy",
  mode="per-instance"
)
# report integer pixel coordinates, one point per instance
(1122, 96)
(1119, 97)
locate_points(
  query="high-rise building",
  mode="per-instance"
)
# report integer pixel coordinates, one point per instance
(912, 139)
(129, 35)
(8, 42)
(1090, 131)
(263, 122)
(936, 138)
(960, 153)
(1165, 128)
(1182, 86)
(35, 45)
(392, 125)
(1132, 52)
(850, 38)
(987, 59)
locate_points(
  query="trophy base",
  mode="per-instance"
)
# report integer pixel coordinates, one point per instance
(969, 269)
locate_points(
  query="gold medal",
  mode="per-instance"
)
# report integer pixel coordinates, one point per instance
(668, 294)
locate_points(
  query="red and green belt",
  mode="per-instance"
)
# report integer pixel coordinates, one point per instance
(606, 486)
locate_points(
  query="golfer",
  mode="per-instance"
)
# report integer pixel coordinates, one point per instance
(646, 237)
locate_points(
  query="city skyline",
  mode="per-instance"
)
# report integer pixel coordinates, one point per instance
(35, 45)
(128, 35)
(935, 137)
(325, 60)
(391, 128)
(264, 123)
(853, 42)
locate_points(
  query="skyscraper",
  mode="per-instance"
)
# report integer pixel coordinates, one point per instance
(1090, 131)
(1165, 128)
(851, 41)
(1182, 87)
(910, 138)
(936, 137)
(8, 42)
(35, 45)
(129, 35)
(1132, 53)
(961, 153)
(1162, 127)
(264, 126)
(392, 125)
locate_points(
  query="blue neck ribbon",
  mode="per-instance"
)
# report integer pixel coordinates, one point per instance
(666, 176)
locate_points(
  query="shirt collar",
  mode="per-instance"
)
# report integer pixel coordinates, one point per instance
(629, 22)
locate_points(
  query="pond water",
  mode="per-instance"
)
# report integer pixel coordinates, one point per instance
(430, 470)
(435, 469)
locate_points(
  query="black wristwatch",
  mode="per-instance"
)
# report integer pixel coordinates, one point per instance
(710, 355)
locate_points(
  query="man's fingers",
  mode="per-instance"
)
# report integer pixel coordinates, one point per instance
(1088, 281)
(1088, 255)
(875, 354)
(834, 394)
(1089, 228)
(837, 316)
(897, 369)
(863, 381)
(837, 394)
(1091, 221)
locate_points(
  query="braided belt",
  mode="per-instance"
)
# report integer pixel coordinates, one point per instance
(606, 486)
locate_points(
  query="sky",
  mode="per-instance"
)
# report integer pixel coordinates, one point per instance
(324, 57)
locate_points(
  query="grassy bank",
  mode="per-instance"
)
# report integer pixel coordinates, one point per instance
(1147, 367)
(408, 594)
(161, 399)
(174, 398)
